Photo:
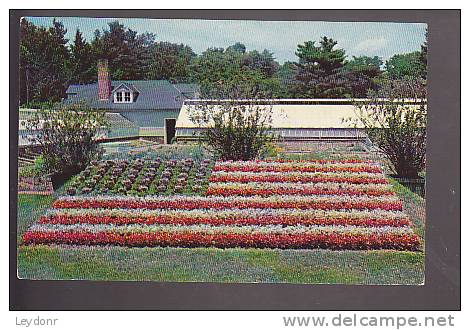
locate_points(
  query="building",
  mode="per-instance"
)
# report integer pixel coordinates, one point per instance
(135, 107)
(294, 120)
(297, 119)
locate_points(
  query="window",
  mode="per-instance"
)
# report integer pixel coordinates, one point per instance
(127, 97)
(119, 97)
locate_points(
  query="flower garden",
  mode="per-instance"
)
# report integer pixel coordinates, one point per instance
(344, 204)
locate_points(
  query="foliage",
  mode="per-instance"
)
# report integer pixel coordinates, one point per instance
(38, 105)
(83, 65)
(424, 55)
(128, 52)
(395, 120)
(234, 130)
(285, 75)
(218, 71)
(362, 74)
(410, 65)
(44, 62)
(170, 61)
(319, 72)
(66, 136)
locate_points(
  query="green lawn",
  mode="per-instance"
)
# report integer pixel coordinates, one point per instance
(217, 265)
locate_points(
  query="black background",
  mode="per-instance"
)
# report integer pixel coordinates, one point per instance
(441, 290)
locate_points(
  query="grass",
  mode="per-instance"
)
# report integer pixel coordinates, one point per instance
(30, 208)
(217, 265)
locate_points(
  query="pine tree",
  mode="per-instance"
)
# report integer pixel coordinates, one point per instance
(319, 69)
(82, 61)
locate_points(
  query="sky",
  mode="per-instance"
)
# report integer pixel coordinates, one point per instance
(280, 37)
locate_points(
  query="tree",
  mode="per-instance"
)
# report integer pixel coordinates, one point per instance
(128, 52)
(82, 61)
(400, 66)
(170, 61)
(263, 62)
(237, 47)
(362, 74)
(368, 66)
(44, 62)
(66, 136)
(424, 54)
(395, 121)
(285, 75)
(319, 72)
(218, 71)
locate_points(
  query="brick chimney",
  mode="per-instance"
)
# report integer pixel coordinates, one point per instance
(104, 83)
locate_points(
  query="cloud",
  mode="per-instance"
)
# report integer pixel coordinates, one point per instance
(371, 46)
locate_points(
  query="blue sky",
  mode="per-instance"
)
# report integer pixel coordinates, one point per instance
(280, 37)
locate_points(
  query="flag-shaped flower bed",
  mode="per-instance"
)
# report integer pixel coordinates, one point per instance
(344, 204)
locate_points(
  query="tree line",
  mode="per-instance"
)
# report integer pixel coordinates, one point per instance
(49, 63)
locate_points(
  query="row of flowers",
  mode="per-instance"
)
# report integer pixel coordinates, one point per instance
(286, 217)
(339, 241)
(316, 161)
(217, 202)
(208, 229)
(250, 166)
(288, 188)
(300, 177)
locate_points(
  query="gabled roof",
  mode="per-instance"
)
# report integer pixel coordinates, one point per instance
(153, 95)
(127, 86)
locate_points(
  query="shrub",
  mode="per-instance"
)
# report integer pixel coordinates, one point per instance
(234, 130)
(395, 121)
(66, 135)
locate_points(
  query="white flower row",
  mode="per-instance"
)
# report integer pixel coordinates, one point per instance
(207, 229)
(300, 174)
(306, 163)
(234, 199)
(301, 185)
(231, 213)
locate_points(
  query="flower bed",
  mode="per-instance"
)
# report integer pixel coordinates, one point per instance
(140, 177)
(296, 205)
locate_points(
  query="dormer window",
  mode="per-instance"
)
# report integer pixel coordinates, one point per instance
(124, 93)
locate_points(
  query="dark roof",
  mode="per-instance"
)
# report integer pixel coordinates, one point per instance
(153, 95)
(127, 86)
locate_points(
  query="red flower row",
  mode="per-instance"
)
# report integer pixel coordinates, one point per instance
(303, 168)
(278, 178)
(319, 161)
(250, 191)
(223, 204)
(218, 221)
(229, 240)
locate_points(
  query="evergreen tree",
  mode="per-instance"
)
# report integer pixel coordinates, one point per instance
(127, 52)
(319, 72)
(82, 59)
